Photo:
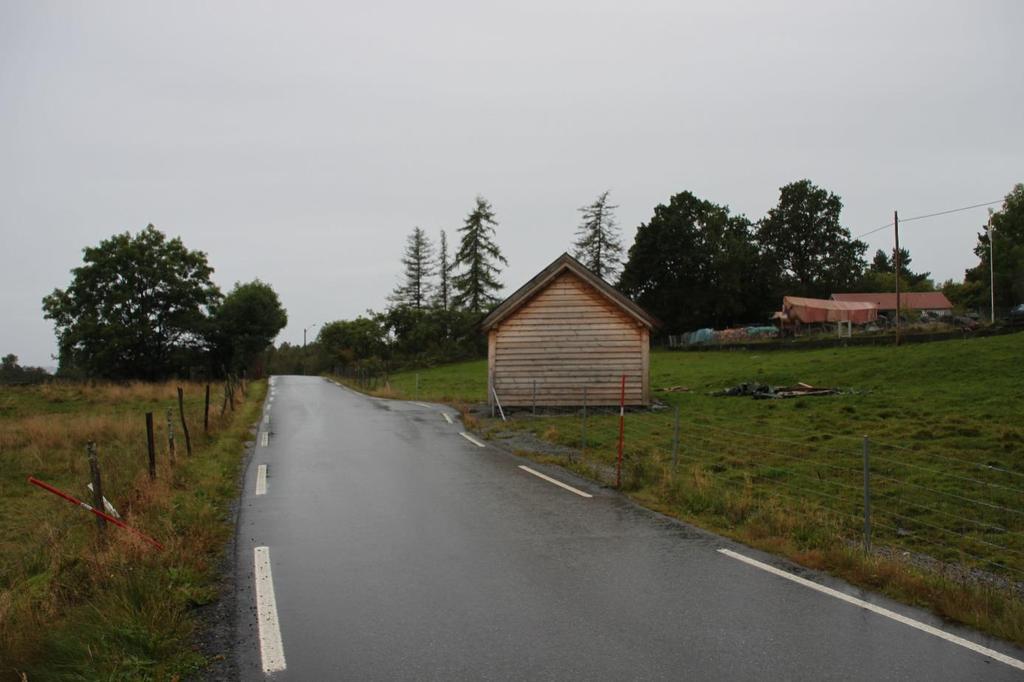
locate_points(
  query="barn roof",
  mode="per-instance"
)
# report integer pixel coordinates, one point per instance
(912, 300)
(566, 263)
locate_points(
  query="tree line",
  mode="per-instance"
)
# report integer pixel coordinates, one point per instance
(693, 264)
(144, 306)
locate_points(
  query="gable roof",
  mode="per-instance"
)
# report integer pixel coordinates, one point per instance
(910, 300)
(566, 263)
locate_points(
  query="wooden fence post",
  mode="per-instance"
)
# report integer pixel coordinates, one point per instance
(583, 426)
(170, 437)
(151, 446)
(97, 485)
(206, 411)
(622, 426)
(675, 442)
(184, 424)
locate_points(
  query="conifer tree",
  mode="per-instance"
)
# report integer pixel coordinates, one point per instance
(474, 287)
(597, 244)
(418, 261)
(443, 296)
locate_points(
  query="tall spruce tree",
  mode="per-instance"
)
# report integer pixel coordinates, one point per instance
(418, 261)
(443, 292)
(597, 244)
(474, 287)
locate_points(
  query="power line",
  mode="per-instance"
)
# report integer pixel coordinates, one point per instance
(929, 215)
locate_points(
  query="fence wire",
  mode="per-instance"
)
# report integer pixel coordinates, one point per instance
(937, 505)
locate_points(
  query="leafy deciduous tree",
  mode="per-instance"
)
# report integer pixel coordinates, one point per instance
(1008, 243)
(693, 264)
(135, 309)
(245, 324)
(13, 373)
(805, 245)
(347, 341)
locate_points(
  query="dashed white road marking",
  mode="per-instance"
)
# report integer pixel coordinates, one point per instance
(261, 479)
(266, 419)
(923, 627)
(422, 405)
(555, 481)
(472, 440)
(447, 418)
(264, 439)
(271, 646)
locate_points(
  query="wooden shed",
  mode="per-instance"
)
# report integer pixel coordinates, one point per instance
(567, 336)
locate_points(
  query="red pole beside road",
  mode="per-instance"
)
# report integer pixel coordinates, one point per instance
(622, 417)
(73, 500)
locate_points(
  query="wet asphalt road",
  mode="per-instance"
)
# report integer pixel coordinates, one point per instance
(402, 551)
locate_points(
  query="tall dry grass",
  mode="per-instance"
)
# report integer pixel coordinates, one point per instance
(59, 583)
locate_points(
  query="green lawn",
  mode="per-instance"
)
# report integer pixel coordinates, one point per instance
(946, 447)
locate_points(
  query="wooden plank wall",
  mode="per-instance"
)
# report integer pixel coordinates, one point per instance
(566, 337)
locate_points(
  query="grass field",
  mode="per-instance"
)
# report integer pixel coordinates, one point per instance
(73, 607)
(946, 443)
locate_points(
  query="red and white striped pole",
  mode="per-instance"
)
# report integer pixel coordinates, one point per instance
(87, 507)
(622, 425)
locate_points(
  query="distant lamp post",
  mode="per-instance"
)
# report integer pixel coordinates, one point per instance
(304, 333)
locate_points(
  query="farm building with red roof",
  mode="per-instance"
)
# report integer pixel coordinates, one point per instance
(930, 301)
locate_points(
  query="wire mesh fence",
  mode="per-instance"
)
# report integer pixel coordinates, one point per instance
(962, 509)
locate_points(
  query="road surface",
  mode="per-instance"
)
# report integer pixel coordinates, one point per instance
(377, 543)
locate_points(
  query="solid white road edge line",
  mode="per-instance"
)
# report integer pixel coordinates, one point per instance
(271, 647)
(422, 405)
(967, 644)
(261, 479)
(472, 440)
(265, 439)
(556, 482)
(446, 417)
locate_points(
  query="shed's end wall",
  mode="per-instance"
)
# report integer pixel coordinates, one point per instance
(567, 337)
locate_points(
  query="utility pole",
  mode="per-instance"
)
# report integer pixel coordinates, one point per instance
(304, 333)
(991, 267)
(896, 264)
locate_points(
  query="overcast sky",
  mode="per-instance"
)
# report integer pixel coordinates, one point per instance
(300, 143)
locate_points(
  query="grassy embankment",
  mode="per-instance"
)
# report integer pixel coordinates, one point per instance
(75, 608)
(947, 450)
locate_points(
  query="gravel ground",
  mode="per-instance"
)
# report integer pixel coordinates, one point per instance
(956, 572)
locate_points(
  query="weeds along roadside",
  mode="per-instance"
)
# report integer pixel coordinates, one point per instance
(73, 607)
